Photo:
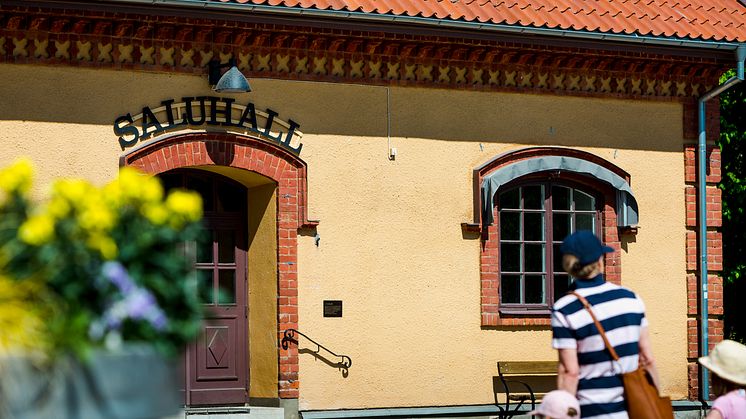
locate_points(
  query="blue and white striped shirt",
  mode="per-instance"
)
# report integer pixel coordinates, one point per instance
(622, 315)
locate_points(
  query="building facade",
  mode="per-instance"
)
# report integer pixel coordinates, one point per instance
(395, 186)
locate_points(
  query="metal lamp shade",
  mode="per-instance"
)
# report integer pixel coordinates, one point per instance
(233, 81)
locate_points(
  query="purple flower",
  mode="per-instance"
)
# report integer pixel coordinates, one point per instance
(117, 275)
(135, 303)
(141, 305)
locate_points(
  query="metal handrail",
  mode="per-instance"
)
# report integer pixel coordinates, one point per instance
(289, 337)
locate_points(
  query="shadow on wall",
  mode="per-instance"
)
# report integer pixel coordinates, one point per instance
(321, 353)
(362, 112)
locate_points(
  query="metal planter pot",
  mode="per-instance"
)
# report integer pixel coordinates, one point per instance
(134, 383)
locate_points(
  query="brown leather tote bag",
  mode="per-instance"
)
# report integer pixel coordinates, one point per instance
(640, 394)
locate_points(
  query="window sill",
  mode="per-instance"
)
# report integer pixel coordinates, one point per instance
(544, 312)
(525, 319)
(518, 316)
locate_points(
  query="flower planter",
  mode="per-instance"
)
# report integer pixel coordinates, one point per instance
(134, 383)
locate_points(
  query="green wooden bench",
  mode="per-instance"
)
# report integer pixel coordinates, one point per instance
(521, 382)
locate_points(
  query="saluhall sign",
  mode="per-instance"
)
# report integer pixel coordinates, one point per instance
(200, 111)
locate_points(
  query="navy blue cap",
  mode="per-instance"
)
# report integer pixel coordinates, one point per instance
(585, 246)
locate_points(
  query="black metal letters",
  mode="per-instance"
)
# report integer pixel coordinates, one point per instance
(212, 110)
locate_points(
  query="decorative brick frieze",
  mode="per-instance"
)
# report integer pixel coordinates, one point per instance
(489, 251)
(175, 44)
(289, 172)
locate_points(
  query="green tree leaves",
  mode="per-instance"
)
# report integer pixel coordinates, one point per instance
(732, 143)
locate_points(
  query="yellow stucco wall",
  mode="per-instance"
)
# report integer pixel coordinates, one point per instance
(391, 245)
(263, 366)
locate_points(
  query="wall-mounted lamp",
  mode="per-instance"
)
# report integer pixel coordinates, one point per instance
(233, 81)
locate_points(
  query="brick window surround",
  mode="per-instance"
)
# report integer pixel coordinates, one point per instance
(489, 250)
(288, 172)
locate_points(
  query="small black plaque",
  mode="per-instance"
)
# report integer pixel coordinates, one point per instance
(332, 308)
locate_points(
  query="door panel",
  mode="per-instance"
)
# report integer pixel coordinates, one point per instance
(216, 361)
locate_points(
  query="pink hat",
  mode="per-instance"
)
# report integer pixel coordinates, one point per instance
(558, 404)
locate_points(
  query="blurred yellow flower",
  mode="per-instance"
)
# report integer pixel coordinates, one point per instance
(112, 193)
(58, 207)
(22, 328)
(130, 183)
(104, 245)
(17, 177)
(185, 204)
(95, 215)
(75, 191)
(152, 191)
(37, 229)
(155, 213)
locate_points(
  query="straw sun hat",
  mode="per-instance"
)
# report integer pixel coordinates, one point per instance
(728, 360)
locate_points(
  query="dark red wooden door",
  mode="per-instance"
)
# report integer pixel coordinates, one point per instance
(218, 359)
(216, 364)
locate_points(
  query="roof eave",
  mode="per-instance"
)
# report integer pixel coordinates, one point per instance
(444, 23)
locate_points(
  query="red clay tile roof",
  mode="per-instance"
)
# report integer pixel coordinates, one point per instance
(711, 20)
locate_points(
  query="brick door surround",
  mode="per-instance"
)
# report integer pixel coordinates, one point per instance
(288, 171)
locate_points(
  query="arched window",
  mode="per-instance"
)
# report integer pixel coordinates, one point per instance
(533, 219)
(525, 203)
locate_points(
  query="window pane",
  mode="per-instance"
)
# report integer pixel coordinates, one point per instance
(510, 257)
(560, 198)
(534, 258)
(204, 188)
(227, 286)
(204, 247)
(585, 222)
(510, 289)
(204, 284)
(510, 225)
(226, 246)
(510, 199)
(533, 226)
(583, 201)
(533, 197)
(560, 226)
(557, 258)
(230, 197)
(561, 285)
(534, 289)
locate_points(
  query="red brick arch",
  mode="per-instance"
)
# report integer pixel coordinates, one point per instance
(274, 162)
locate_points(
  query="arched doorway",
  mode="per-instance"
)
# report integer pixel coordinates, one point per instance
(275, 225)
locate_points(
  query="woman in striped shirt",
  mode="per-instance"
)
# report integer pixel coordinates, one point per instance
(586, 368)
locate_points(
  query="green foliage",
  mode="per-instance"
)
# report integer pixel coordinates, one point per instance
(732, 144)
(110, 261)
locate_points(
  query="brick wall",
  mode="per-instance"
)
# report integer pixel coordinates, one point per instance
(713, 208)
(275, 163)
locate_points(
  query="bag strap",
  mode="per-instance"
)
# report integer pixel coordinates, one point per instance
(600, 328)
